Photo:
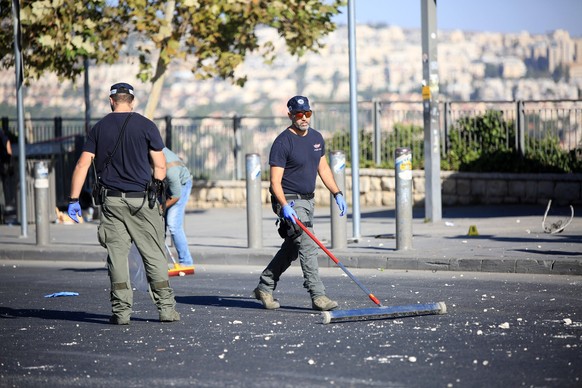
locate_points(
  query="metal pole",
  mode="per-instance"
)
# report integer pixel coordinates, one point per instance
(58, 130)
(354, 121)
(168, 120)
(403, 177)
(377, 133)
(20, 113)
(520, 129)
(87, 93)
(254, 209)
(41, 202)
(236, 121)
(338, 224)
(430, 90)
(446, 125)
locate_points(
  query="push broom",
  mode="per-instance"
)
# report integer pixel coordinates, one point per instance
(179, 269)
(381, 312)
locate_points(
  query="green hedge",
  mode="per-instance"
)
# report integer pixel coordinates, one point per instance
(483, 143)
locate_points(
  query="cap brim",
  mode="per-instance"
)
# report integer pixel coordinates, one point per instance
(120, 91)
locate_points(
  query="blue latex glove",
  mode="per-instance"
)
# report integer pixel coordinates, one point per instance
(62, 293)
(289, 213)
(341, 204)
(74, 210)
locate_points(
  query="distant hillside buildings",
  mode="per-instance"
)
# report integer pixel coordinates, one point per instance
(472, 66)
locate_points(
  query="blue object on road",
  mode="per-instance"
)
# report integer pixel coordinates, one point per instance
(62, 293)
(383, 312)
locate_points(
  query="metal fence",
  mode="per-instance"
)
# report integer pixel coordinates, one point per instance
(524, 122)
(214, 148)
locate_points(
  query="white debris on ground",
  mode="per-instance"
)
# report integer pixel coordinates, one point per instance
(386, 359)
(567, 321)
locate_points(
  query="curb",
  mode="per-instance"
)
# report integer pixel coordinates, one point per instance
(261, 257)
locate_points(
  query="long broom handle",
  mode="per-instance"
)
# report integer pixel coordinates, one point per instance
(335, 260)
(170, 253)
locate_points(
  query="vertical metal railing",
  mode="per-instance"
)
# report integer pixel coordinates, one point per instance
(520, 129)
(213, 147)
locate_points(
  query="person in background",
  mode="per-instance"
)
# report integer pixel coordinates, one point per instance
(6, 170)
(179, 188)
(125, 146)
(297, 156)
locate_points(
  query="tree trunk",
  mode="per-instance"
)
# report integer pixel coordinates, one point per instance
(161, 67)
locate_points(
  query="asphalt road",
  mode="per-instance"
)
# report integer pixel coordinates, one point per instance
(500, 330)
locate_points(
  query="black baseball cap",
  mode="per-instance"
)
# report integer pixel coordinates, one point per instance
(121, 87)
(298, 103)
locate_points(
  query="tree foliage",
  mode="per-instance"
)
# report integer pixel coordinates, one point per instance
(402, 135)
(482, 143)
(486, 143)
(474, 136)
(214, 36)
(56, 36)
(218, 35)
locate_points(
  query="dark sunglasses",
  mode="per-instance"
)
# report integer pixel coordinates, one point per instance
(299, 115)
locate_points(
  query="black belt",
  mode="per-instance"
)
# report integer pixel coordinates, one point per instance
(130, 194)
(299, 196)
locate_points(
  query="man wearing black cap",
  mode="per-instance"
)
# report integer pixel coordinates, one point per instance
(297, 157)
(124, 147)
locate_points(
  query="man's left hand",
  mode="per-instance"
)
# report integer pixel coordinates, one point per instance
(341, 204)
(74, 211)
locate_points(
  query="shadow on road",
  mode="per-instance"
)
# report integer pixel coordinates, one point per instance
(480, 211)
(75, 316)
(85, 270)
(553, 253)
(533, 239)
(232, 301)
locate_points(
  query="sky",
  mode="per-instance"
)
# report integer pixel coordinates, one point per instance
(506, 16)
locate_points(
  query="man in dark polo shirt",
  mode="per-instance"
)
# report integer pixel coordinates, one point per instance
(124, 168)
(297, 157)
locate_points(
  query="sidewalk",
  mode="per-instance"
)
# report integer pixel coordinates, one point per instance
(510, 239)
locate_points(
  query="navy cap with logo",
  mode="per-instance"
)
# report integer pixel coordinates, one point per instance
(121, 87)
(298, 104)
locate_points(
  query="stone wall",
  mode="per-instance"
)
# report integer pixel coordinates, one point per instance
(377, 189)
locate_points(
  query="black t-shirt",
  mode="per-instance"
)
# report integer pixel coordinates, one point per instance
(300, 157)
(130, 168)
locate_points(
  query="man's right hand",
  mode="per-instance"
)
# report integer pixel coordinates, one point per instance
(289, 213)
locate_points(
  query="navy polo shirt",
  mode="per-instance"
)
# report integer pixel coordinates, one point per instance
(300, 157)
(130, 169)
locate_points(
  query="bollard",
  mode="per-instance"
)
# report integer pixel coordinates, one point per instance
(339, 238)
(403, 198)
(254, 209)
(41, 201)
